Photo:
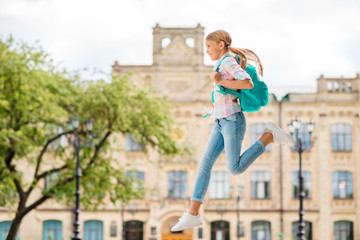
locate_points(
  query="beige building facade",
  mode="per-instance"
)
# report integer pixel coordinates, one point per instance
(264, 199)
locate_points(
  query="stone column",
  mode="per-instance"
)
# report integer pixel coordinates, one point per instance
(356, 178)
(324, 183)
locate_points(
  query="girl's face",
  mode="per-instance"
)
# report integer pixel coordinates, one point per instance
(215, 49)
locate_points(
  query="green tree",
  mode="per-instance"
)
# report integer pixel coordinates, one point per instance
(36, 101)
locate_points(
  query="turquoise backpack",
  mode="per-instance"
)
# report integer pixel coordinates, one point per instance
(251, 100)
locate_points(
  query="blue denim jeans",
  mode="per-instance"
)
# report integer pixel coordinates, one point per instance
(227, 134)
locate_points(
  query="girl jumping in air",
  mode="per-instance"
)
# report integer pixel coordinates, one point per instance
(229, 130)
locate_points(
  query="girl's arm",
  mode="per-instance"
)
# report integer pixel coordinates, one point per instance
(230, 83)
(230, 66)
(241, 84)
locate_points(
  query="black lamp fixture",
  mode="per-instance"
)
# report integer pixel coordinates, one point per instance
(294, 128)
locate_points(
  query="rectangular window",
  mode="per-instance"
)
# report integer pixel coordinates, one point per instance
(131, 144)
(51, 180)
(52, 230)
(260, 185)
(200, 233)
(220, 185)
(134, 230)
(177, 182)
(342, 185)
(138, 179)
(341, 137)
(260, 230)
(153, 230)
(113, 231)
(93, 229)
(344, 230)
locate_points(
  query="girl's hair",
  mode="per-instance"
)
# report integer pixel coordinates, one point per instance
(245, 54)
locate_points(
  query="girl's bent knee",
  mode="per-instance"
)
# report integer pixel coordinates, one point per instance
(236, 171)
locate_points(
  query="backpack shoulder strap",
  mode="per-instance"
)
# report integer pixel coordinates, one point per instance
(224, 90)
(218, 66)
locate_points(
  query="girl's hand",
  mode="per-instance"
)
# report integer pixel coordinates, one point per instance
(215, 76)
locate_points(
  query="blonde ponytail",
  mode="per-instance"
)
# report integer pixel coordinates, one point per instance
(243, 53)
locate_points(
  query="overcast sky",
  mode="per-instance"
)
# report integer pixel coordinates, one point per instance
(297, 40)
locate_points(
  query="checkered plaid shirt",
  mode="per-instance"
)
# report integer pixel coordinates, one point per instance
(225, 105)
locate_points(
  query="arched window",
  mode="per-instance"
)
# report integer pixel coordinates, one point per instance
(134, 230)
(342, 185)
(220, 230)
(4, 230)
(308, 230)
(93, 230)
(260, 230)
(343, 230)
(177, 181)
(220, 185)
(52, 230)
(341, 137)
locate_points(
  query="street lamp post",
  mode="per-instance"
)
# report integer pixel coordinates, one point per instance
(122, 222)
(238, 198)
(73, 125)
(294, 128)
(238, 217)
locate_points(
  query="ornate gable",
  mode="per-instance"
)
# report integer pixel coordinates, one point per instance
(178, 52)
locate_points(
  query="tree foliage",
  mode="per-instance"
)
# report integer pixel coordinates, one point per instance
(36, 101)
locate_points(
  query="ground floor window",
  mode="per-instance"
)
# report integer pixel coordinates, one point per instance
(93, 230)
(134, 230)
(308, 230)
(4, 230)
(260, 230)
(343, 230)
(52, 230)
(220, 230)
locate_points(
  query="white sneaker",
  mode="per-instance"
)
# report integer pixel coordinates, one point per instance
(280, 136)
(187, 221)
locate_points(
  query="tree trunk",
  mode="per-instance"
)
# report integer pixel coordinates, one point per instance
(14, 227)
(22, 211)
